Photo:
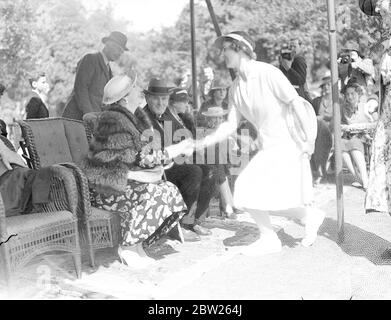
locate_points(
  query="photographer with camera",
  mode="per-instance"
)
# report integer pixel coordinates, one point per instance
(294, 66)
(353, 66)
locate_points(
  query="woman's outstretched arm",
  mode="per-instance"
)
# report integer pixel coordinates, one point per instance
(222, 132)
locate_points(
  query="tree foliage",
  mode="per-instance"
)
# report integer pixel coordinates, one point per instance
(15, 43)
(52, 35)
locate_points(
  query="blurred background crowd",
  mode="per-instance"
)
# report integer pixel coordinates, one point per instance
(50, 36)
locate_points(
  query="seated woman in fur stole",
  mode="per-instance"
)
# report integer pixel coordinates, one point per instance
(125, 175)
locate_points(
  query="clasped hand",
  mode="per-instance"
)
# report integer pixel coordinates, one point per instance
(185, 147)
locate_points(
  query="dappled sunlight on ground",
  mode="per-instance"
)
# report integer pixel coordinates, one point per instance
(356, 268)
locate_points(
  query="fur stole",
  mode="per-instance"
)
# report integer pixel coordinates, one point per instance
(113, 151)
(106, 179)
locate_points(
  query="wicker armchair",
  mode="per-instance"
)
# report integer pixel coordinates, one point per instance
(52, 226)
(65, 141)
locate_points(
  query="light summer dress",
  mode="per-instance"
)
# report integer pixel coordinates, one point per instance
(275, 178)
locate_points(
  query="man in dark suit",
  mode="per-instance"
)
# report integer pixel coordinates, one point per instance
(194, 181)
(295, 68)
(92, 74)
(36, 107)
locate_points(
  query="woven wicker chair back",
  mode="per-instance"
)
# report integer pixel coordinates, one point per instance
(58, 140)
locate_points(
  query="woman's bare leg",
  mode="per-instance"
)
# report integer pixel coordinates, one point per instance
(348, 161)
(226, 196)
(311, 217)
(268, 241)
(262, 219)
(359, 160)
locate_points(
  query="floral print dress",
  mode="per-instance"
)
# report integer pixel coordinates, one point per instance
(378, 193)
(147, 210)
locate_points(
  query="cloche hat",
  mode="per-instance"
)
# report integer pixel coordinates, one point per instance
(246, 42)
(117, 88)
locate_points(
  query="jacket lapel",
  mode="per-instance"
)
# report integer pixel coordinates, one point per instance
(103, 66)
(156, 125)
(168, 115)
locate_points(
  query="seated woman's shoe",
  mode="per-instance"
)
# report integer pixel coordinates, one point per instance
(313, 221)
(135, 257)
(176, 233)
(229, 215)
(238, 211)
(266, 244)
(317, 181)
(189, 235)
(201, 231)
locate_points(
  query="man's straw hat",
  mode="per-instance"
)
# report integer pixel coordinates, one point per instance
(215, 112)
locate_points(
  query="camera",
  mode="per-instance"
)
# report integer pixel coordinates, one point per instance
(344, 58)
(287, 53)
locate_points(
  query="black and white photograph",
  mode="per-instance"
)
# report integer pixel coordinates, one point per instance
(200, 153)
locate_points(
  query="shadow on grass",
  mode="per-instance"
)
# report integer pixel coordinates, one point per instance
(246, 233)
(348, 179)
(108, 256)
(358, 242)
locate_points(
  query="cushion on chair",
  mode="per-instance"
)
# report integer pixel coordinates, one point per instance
(51, 150)
(77, 139)
(26, 223)
(100, 214)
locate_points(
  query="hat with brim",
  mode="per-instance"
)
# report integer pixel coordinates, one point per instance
(220, 40)
(117, 37)
(117, 88)
(179, 95)
(324, 81)
(369, 7)
(352, 46)
(351, 84)
(216, 85)
(157, 87)
(215, 112)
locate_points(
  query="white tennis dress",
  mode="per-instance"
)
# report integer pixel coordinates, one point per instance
(275, 179)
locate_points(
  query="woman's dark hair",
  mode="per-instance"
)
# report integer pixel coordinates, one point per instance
(355, 86)
(211, 92)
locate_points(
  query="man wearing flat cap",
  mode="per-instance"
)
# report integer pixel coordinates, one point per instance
(92, 73)
(194, 181)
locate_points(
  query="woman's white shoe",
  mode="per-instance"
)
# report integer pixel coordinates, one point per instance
(134, 258)
(314, 220)
(266, 244)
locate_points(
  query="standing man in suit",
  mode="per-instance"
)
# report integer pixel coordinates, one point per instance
(92, 74)
(36, 107)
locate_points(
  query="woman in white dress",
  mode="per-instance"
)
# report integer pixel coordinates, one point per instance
(277, 180)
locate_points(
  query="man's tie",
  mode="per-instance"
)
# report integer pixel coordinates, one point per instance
(110, 72)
